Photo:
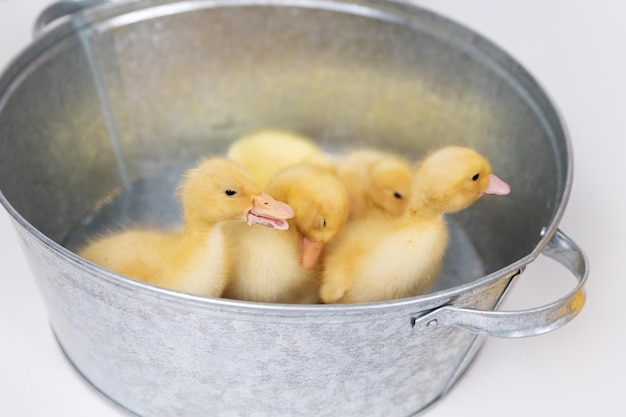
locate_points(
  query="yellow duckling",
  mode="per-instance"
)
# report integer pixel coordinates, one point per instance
(192, 259)
(384, 257)
(266, 152)
(281, 267)
(376, 182)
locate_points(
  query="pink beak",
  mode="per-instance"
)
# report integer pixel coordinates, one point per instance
(269, 213)
(497, 186)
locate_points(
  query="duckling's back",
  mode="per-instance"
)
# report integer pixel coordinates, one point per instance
(134, 253)
(266, 152)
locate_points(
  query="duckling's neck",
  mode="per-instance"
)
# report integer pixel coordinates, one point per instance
(195, 229)
(424, 204)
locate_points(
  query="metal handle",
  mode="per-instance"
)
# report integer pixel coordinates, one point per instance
(61, 9)
(523, 323)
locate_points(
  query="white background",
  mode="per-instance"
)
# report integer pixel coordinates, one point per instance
(576, 49)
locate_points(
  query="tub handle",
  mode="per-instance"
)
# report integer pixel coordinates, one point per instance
(521, 323)
(61, 9)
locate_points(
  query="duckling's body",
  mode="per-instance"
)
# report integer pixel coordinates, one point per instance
(266, 267)
(266, 152)
(382, 257)
(282, 267)
(192, 263)
(377, 182)
(192, 259)
(405, 259)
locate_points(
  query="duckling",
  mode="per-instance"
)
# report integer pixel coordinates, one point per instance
(376, 182)
(266, 152)
(383, 257)
(192, 259)
(281, 267)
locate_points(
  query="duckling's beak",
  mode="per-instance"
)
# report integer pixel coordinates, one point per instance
(269, 213)
(311, 251)
(497, 186)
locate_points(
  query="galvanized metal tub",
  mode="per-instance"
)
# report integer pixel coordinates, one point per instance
(111, 102)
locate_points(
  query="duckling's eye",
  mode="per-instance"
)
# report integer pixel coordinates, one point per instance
(397, 195)
(230, 193)
(322, 222)
(475, 177)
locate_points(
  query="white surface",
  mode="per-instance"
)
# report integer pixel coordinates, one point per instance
(575, 49)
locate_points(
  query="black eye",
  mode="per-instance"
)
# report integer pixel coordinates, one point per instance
(230, 193)
(475, 177)
(397, 195)
(322, 222)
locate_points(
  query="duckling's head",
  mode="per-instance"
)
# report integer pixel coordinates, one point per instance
(319, 201)
(219, 189)
(390, 185)
(453, 178)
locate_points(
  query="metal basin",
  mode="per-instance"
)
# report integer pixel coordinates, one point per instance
(110, 103)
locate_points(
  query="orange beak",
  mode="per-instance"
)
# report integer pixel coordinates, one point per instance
(310, 251)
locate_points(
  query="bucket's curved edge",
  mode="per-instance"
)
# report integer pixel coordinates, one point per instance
(476, 348)
(86, 380)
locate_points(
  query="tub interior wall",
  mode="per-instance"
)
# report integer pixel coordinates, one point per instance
(181, 86)
(55, 151)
